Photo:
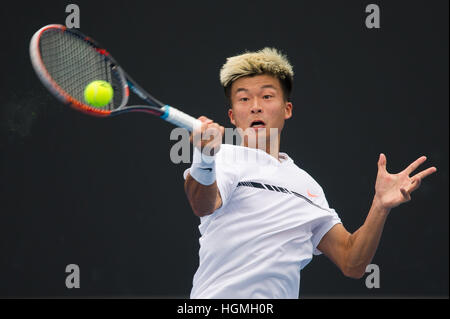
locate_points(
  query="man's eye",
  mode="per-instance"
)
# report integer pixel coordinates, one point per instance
(266, 97)
(243, 99)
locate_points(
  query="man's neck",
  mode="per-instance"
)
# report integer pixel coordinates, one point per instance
(271, 146)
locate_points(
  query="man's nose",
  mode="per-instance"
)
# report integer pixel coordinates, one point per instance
(256, 108)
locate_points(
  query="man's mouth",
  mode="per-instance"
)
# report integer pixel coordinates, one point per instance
(258, 124)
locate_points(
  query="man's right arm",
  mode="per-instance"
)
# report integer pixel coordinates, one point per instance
(201, 187)
(204, 200)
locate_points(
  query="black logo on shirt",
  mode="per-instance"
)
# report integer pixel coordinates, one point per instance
(277, 189)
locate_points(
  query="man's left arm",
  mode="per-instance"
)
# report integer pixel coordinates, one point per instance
(353, 252)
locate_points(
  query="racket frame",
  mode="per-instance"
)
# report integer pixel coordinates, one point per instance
(154, 106)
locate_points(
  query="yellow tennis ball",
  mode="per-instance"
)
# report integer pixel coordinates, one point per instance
(98, 93)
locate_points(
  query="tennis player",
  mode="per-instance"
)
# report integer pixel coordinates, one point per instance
(263, 219)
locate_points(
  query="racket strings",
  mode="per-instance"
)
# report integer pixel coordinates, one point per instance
(74, 63)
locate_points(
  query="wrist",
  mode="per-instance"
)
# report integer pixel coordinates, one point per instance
(203, 168)
(378, 206)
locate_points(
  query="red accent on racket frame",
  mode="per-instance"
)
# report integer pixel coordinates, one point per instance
(69, 99)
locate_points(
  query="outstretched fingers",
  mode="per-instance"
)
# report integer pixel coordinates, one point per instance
(382, 162)
(421, 175)
(416, 180)
(414, 165)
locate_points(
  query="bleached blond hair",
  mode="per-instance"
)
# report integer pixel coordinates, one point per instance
(265, 61)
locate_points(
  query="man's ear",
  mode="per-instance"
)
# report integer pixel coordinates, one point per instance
(288, 110)
(230, 115)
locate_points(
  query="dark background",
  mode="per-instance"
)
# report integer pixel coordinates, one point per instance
(103, 193)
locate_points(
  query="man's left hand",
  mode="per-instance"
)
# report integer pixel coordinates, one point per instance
(392, 190)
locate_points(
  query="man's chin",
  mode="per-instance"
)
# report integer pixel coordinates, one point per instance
(260, 129)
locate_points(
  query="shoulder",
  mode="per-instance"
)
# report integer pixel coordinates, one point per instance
(227, 160)
(229, 153)
(311, 183)
(297, 169)
(227, 148)
(230, 148)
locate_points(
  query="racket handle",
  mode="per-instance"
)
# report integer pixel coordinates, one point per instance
(178, 118)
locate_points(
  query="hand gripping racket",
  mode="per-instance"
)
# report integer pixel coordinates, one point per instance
(66, 61)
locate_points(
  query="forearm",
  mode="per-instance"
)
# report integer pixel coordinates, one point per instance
(200, 185)
(364, 242)
(204, 200)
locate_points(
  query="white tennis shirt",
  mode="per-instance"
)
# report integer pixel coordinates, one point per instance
(272, 218)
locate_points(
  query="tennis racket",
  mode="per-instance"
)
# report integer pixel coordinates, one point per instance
(66, 61)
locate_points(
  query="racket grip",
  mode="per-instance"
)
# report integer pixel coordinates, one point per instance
(178, 118)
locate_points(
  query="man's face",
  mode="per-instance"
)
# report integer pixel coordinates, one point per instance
(258, 103)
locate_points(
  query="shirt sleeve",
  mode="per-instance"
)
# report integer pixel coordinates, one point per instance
(324, 224)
